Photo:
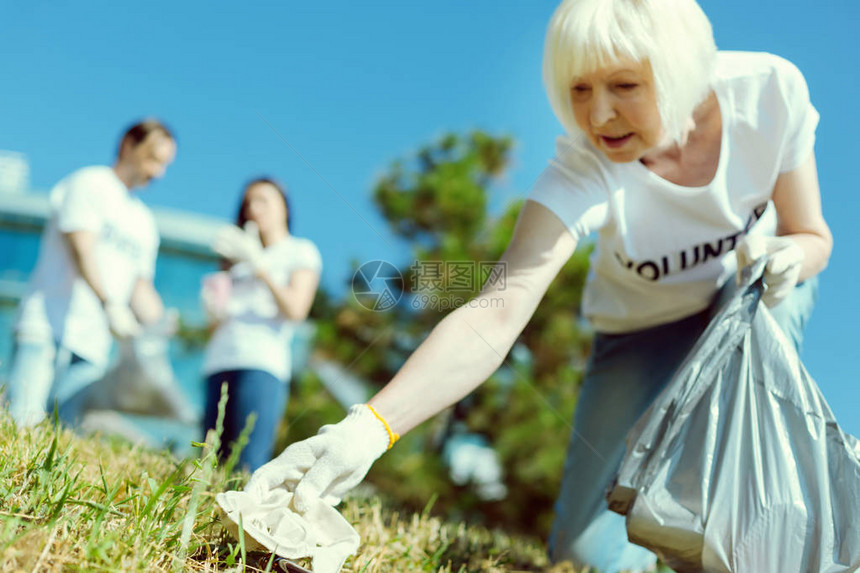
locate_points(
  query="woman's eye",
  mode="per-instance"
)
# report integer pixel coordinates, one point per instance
(627, 86)
(580, 89)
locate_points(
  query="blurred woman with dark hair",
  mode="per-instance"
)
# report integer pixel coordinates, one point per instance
(253, 306)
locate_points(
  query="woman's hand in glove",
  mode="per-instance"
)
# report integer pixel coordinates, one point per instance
(784, 261)
(240, 245)
(327, 465)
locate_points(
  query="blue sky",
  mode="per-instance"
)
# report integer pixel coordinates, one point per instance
(349, 87)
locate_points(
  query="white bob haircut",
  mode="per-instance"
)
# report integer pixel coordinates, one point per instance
(674, 37)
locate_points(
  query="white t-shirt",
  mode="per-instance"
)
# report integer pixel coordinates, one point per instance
(59, 300)
(254, 335)
(663, 250)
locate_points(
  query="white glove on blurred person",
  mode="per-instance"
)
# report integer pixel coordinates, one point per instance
(782, 271)
(328, 465)
(240, 245)
(121, 320)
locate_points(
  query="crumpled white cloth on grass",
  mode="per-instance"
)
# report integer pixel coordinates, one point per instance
(321, 533)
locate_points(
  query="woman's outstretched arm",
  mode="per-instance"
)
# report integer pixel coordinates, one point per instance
(460, 353)
(467, 346)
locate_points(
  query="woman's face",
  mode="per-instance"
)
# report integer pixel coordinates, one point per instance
(616, 107)
(265, 206)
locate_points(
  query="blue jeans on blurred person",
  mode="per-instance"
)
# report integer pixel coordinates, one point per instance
(72, 379)
(248, 392)
(30, 378)
(625, 373)
(43, 374)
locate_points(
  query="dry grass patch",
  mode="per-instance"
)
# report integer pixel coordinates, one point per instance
(71, 503)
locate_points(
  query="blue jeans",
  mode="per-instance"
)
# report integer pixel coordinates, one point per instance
(72, 379)
(248, 392)
(30, 378)
(43, 374)
(625, 373)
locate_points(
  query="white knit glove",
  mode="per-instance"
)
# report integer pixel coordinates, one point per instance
(329, 464)
(240, 245)
(121, 320)
(784, 260)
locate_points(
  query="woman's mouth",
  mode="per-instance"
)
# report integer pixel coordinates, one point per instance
(615, 142)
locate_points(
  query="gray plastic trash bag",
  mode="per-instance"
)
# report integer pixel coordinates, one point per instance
(142, 381)
(739, 465)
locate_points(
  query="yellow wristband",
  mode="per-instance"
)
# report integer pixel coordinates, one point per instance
(392, 435)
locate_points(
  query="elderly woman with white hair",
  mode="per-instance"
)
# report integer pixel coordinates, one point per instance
(686, 162)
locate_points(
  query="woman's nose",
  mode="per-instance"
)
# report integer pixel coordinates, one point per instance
(602, 108)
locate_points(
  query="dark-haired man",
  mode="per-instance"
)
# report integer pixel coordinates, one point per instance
(93, 278)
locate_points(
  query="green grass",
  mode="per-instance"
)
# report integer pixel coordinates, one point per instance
(69, 503)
